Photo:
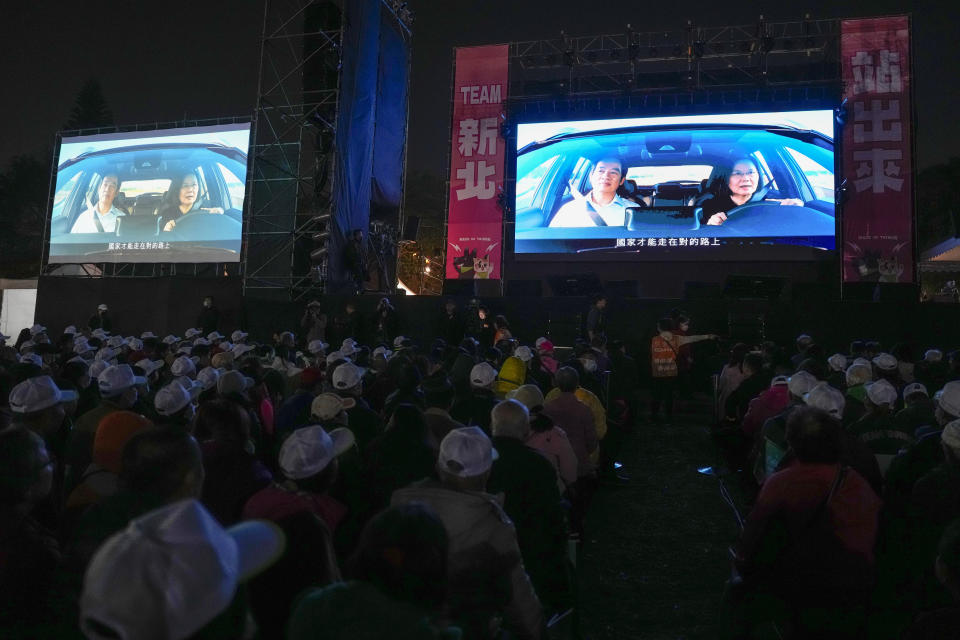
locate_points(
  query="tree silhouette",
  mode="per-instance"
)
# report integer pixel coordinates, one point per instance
(23, 210)
(90, 110)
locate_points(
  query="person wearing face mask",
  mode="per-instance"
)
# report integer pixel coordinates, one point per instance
(664, 353)
(209, 317)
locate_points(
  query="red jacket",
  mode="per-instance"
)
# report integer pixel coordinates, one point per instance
(763, 407)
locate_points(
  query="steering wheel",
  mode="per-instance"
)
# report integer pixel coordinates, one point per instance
(206, 226)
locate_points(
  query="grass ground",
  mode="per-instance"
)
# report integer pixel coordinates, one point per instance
(654, 558)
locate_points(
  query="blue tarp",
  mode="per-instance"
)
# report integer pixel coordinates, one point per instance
(391, 122)
(355, 131)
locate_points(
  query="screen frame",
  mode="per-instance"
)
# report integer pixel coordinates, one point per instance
(141, 133)
(741, 250)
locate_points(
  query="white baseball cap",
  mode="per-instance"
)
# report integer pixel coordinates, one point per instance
(170, 339)
(881, 393)
(529, 395)
(100, 333)
(107, 354)
(466, 452)
(950, 398)
(382, 351)
(215, 335)
(97, 367)
(328, 406)
(135, 344)
(71, 330)
(233, 382)
(825, 397)
(347, 376)
(172, 398)
(31, 358)
(349, 347)
(333, 356)
(171, 572)
(81, 346)
(192, 332)
(38, 393)
(859, 373)
(201, 342)
(482, 375)
(148, 334)
(524, 353)
(116, 379)
(950, 436)
(317, 347)
(885, 361)
(37, 329)
(801, 383)
(101, 307)
(309, 450)
(150, 366)
(239, 350)
(208, 377)
(115, 341)
(915, 387)
(183, 366)
(837, 362)
(933, 355)
(398, 342)
(238, 335)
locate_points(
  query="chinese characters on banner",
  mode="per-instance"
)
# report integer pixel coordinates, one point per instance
(474, 222)
(877, 159)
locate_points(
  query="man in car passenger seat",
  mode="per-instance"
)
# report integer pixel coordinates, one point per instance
(601, 207)
(101, 216)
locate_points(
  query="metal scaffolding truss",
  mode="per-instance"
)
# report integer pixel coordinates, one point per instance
(294, 129)
(764, 53)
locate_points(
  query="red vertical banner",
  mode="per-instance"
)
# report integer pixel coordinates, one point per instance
(877, 151)
(474, 219)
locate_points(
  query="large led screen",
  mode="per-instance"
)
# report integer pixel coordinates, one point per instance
(171, 195)
(737, 186)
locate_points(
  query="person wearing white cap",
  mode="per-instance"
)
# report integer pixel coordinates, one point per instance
(192, 333)
(918, 412)
(308, 461)
(151, 369)
(203, 566)
(37, 330)
(239, 337)
(184, 366)
(330, 409)
(475, 408)
(474, 519)
(349, 347)
(240, 350)
(858, 375)
(118, 391)
(877, 428)
(176, 404)
(234, 383)
(208, 377)
(170, 340)
(347, 382)
(37, 404)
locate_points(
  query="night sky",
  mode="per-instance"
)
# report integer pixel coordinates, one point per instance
(171, 60)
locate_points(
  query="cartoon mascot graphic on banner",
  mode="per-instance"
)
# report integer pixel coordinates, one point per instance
(470, 265)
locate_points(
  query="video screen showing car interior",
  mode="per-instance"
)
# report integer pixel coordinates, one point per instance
(171, 195)
(757, 185)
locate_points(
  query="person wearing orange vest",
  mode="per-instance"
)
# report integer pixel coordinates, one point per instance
(664, 351)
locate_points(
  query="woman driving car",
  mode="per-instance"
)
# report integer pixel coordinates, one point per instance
(182, 198)
(734, 186)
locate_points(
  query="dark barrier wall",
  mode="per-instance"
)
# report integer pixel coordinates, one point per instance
(162, 305)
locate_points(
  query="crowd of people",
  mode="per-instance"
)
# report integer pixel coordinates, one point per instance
(209, 486)
(351, 482)
(851, 462)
